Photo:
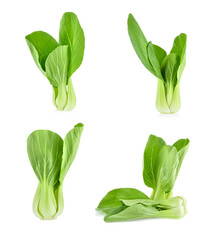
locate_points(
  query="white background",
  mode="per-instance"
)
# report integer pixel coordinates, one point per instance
(116, 104)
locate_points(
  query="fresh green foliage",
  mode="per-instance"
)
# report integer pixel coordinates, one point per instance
(58, 61)
(51, 158)
(161, 165)
(113, 199)
(167, 68)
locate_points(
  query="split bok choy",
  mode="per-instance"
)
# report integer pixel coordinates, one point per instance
(167, 68)
(59, 60)
(51, 158)
(161, 165)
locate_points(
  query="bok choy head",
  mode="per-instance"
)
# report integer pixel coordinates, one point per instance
(167, 68)
(51, 158)
(161, 165)
(59, 60)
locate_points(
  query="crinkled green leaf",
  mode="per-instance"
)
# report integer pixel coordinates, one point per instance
(72, 34)
(41, 44)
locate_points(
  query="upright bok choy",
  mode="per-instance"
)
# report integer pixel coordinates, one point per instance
(51, 158)
(167, 68)
(161, 165)
(58, 61)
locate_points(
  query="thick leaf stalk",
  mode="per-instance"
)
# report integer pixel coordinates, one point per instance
(174, 208)
(48, 203)
(168, 98)
(64, 97)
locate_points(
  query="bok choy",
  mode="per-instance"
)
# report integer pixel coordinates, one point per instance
(51, 158)
(167, 68)
(161, 165)
(59, 60)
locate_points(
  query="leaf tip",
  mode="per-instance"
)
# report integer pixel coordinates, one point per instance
(79, 125)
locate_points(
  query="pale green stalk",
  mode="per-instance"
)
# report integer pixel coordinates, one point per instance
(168, 98)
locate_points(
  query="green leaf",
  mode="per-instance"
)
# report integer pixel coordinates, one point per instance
(41, 44)
(45, 149)
(113, 199)
(139, 42)
(179, 47)
(166, 169)
(56, 65)
(181, 146)
(70, 148)
(169, 69)
(150, 158)
(160, 53)
(134, 212)
(156, 56)
(114, 211)
(72, 34)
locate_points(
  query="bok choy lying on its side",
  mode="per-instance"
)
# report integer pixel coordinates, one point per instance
(58, 61)
(51, 158)
(161, 166)
(167, 68)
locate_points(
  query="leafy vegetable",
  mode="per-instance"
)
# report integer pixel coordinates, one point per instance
(58, 61)
(161, 165)
(51, 158)
(167, 68)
